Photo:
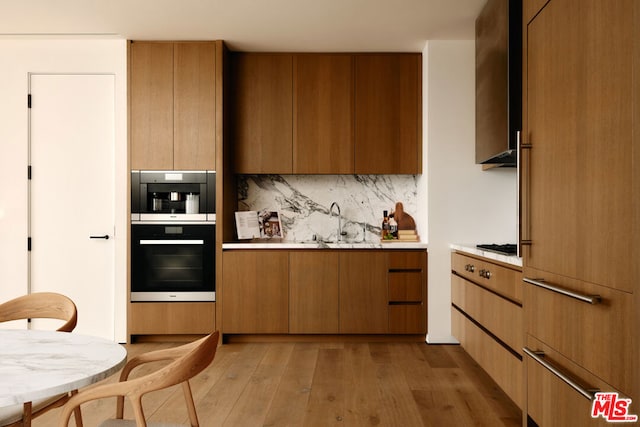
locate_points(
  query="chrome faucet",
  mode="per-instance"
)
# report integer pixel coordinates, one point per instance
(339, 238)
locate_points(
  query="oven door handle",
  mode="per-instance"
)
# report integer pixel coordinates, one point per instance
(172, 242)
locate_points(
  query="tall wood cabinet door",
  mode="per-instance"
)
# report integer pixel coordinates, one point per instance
(262, 110)
(388, 130)
(313, 292)
(580, 107)
(151, 105)
(323, 114)
(363, 293)
(255, 292)
(194, 106)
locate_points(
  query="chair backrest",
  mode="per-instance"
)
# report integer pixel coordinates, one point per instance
(41, 305)
(197, 356)
(186, 362)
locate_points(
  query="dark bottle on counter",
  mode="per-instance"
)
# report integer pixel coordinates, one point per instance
(385, 225)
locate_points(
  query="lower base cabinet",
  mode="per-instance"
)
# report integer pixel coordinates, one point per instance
(323, 292)
(487, 319)
(552, 401)
(313, 292)
(363, 293)
(172, 318)
(255, 292)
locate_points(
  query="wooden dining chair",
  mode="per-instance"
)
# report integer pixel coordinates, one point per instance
(39, 305)
(186, 362)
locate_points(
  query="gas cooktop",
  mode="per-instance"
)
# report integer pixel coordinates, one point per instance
(506, 249)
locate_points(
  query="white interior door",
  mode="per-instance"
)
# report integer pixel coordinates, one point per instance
(72, 142)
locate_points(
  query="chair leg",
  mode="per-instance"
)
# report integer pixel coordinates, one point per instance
(26, 414)
(77, 414)
(193, 417)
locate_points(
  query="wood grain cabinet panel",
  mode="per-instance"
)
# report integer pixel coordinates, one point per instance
(580, 128)
(255, 292)
(172, 318)
(194, 104)
(313, 292)
(551, 401)
(172, 103)
(151, 105)
(363, 292)
(323, 114)
(262, 111)
(497, 361)
(499, 316)
(500, 278)
(596, 337)
(388, 133)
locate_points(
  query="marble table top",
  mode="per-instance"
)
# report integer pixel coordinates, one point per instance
(37, 364)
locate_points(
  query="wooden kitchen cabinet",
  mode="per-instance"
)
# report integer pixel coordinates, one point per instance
(314, 292)
(363, 292)
(323, 114)
(581, 184)
(172, 318)
(262, 111)
(388, 106)
(487, 318)
(172, 104)
(255, 292)
(151, 105)
(327, 113)
(407, 290)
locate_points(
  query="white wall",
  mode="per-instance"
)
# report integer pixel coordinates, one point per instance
(18, 58)
(464, 203)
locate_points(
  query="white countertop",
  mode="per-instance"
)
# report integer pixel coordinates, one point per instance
(323, 245)
(471, 249)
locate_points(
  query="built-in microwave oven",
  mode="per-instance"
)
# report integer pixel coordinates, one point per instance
(173, 196)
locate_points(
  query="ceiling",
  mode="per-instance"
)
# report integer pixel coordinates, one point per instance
(251, 25)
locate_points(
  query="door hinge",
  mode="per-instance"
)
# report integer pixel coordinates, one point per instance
(29, 244)
(29, 172)
(28, 100)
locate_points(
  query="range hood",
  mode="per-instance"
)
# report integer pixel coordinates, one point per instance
(498, 82)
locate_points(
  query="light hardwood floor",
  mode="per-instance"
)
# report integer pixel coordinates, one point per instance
(327, 384)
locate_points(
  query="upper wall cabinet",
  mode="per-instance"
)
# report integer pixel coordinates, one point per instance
(388, 122)
(172, 105)
(352, 113)
(323, 114)
(262, 112)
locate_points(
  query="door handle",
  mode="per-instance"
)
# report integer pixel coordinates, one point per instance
(105, 237)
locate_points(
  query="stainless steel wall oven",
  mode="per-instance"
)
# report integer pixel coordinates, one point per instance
(173, 236)
(173, 262)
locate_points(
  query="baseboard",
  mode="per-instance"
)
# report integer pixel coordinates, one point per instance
(447, 339)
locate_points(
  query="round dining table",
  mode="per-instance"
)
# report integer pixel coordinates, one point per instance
(37, 364)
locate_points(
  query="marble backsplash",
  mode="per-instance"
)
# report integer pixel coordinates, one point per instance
(304, 201)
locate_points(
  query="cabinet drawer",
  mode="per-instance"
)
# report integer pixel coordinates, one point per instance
(501, 365)
(405, 286)
(550, 400)
(407, 319)
(498, 278)
(406, 260)
(166, 318)
(594, 336)
(501, 317)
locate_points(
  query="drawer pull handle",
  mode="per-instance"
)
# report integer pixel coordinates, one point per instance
(470, 268)
(591, 299)
(485, 274)
(538, 356)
